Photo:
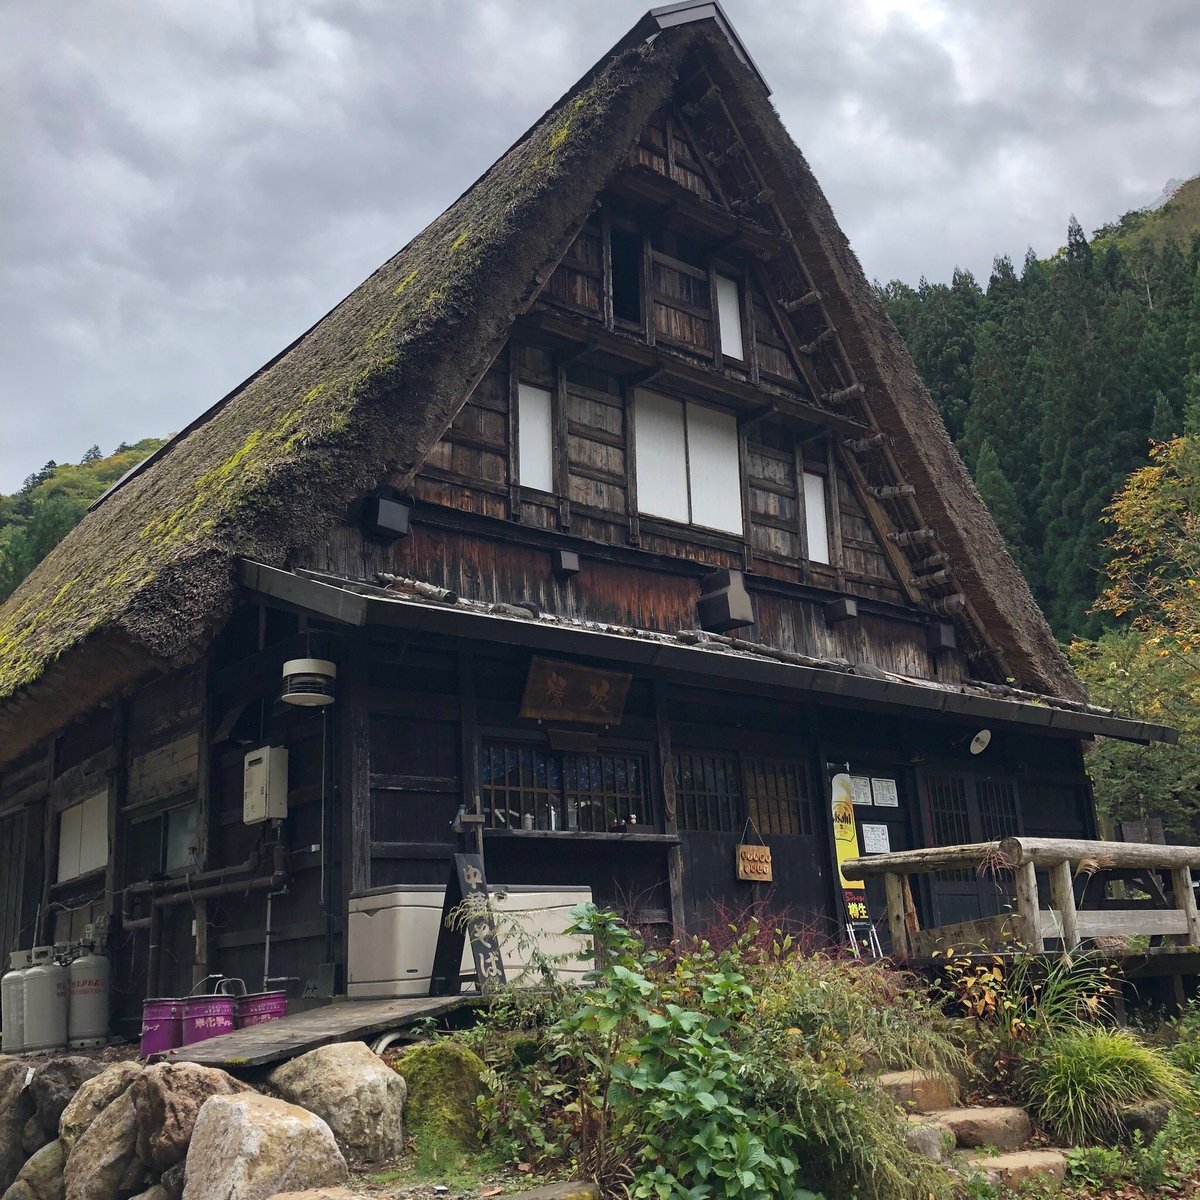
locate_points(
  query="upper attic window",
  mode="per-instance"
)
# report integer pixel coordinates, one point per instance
(688, 468)
(535, 438)
(627, 276)
(729, 317)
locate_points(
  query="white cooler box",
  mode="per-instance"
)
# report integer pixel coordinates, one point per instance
(394, 930)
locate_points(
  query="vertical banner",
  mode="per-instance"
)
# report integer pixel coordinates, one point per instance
(845, 843)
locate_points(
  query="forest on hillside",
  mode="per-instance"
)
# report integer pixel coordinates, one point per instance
(1072, 389)
(52, 501)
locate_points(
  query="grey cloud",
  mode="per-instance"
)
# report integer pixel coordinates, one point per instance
(184, 188)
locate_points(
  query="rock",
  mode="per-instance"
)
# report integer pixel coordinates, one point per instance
(172, 1182)
(52, 1088)
(920, 1091)
(354, 1091)
(1148, 1119)
(1002, 1128)
(167, 1099)
(103, 1164)
(16, 1107)
(323, 1193)
(155, 1191)
(41, 1178)
(929, 1138)
(445, 1081)
(94, 1095)
(250, 1147)
(1009, 1170)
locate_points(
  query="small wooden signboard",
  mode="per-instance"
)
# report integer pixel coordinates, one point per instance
(466, 881)
(563, 691)
(754, 864)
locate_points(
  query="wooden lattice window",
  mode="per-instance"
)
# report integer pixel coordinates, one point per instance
(780, 796)
(997, 809)
(949, 818)
(708, 792)
(534, 787)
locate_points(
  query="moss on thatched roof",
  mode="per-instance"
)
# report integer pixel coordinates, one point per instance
(149, 575)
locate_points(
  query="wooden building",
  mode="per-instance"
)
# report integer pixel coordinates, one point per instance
(618, 504)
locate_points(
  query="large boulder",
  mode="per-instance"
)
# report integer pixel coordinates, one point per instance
(358, 1095)
(16, 1107)
(445, 1082)
(251, 1147)
(52, 1088)
(167, 1099)
(103, 1164)
(172, 1181)
(93, 1097)
(41, 1178)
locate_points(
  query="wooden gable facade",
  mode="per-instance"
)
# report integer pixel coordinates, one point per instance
(674, 421)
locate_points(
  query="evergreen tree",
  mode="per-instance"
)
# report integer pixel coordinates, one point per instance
(1001, 498)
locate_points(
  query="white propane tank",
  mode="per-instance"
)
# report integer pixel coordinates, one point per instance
(45, 993)
(87, 1010)
(12, 1004)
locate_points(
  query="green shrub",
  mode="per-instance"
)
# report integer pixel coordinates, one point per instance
(866, 1016)
(1079, 1083)
(680, 1074)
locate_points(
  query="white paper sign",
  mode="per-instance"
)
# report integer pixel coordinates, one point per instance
(875, 839)
(886, 795)
(861, 787)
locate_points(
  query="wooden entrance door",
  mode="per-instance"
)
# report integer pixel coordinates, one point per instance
(724, 797)
(960, 809)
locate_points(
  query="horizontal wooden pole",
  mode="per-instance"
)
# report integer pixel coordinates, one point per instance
(920, 862)
(1045, 852)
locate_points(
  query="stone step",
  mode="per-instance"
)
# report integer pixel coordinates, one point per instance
(920, 1091)
(978, 1128)
(1009, 1170)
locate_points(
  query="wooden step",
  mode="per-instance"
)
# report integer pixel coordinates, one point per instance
(978, 1128)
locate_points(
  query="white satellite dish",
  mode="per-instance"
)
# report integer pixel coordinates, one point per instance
(981, 741)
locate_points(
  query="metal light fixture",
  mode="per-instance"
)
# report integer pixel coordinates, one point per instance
(308, 682)
(981, 741)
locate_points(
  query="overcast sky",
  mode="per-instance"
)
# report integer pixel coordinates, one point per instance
(185, 187)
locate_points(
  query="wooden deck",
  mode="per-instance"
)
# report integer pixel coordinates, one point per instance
(345, 1021)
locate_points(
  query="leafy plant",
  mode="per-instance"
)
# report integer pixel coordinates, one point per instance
(1080, 1083)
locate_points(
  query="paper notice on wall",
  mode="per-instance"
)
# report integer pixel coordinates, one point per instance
(860, 787)
(875, 839)
(885, 793)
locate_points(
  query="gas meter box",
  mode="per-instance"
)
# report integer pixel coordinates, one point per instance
(265, 791)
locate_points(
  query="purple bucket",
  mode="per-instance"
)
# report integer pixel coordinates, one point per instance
(162, 1026)
(261, 1007)
(207, 1016)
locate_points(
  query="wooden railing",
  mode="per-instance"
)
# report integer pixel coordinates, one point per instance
(1030, 925)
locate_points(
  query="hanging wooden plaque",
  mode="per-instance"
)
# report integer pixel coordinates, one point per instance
(754, 864)
(562, 691)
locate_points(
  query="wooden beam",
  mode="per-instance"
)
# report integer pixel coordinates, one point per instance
(809, 297)
(666, 765)
(1046, 852)
(919, 862)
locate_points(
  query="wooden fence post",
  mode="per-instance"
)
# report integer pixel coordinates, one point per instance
(1185, 899)
(1062, 898)
(1028, 907)
(893, 886)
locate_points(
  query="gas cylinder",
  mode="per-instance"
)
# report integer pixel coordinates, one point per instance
(44, 988)
(87, 1010)
(12, 1004)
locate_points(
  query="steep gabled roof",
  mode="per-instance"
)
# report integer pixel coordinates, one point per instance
(149, 575)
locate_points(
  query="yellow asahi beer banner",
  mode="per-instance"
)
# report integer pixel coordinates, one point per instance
(845, 841)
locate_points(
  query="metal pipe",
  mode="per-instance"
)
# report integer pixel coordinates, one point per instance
(267, 940)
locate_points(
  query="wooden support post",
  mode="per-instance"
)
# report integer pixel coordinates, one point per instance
(1062, 899)
(894, 888)
(1028, 907)
(1185, 900)
(666, 765)
(910, 912)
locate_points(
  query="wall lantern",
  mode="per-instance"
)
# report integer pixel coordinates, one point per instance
(308, 682)
(981, 741)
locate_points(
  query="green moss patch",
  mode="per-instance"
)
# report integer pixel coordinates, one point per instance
(445, 1083)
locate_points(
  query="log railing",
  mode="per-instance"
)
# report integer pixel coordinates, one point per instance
(1031, 924)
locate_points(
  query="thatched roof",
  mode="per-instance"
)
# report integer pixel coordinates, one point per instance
(150, 574)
